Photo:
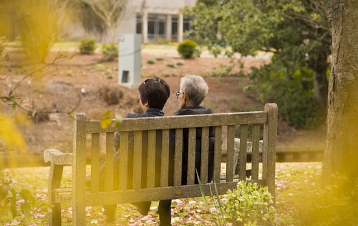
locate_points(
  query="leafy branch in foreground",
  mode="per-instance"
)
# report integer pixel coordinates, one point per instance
(9, 196)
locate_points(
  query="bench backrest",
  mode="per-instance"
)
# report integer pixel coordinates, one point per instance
(245, 122)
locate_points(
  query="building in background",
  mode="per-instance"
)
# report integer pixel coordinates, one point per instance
(156, 18)
(151, 18)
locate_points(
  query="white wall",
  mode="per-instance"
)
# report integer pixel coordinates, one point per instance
(74, 30)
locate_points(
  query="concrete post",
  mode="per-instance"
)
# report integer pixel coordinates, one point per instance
(145, 26)
(169, 28)
(180, 26)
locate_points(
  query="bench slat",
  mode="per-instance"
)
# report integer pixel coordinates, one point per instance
(191, 156)
(109, 162)
(230, 153)
(79, 170)
(217, 154)
(255, 151)
(204, 155)
(95, 162)
(137, 160)
(151, 159)
(164, 159)
(241, 168)
(178, 156)
(123, 161)
(189, 121)
(154, 194)
(269, 153)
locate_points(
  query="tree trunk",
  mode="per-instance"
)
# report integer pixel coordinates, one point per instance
(341, 154)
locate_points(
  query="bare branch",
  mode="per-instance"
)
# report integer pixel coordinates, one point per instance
(10, 100)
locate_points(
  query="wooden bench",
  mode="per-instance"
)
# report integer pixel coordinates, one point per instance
(88, 133)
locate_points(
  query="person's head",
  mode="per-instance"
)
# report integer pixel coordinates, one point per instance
(154, 92)
(193, 90)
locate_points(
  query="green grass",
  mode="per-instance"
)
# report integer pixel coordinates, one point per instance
(292, 179)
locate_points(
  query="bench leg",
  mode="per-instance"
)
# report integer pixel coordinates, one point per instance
(54, 182)
(55, 215)
(109, 211)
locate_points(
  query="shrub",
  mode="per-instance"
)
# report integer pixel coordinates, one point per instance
(159, 41)
(292, 90)
(110, 51)
(87, 46)
(101, 67)
(249, 204)
(150, 62)
(187, 48)
(159, 59)
(180, 64)
(171, 65)
(111, 94)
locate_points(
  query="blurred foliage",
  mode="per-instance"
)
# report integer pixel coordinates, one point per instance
(110, 51)
(333, 205)
(296, 32)
(10, 197)
(10, 134)
(292, 90)
(91, 22)
(250, 204)
(87, 46)
(186, 49)
(39, 22)
(159, 41)
(110, 11)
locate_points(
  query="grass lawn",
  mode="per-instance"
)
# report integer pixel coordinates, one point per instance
(291, 180)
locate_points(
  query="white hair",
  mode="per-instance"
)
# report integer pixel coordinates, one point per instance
(195, 88)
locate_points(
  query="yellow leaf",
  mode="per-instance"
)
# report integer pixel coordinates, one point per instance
(10, 134)
(106, 119)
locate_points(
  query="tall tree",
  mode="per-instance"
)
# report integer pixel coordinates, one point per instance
(341, 153)
(110, 11)
(295, 31)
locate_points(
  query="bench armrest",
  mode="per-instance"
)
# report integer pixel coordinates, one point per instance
(56, 157)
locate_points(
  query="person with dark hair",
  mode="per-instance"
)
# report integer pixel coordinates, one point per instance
(154, 93)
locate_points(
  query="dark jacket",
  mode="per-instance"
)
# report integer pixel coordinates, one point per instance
(195, 110)
(151, 112)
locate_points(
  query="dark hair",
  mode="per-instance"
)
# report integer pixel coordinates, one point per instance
(154, 90)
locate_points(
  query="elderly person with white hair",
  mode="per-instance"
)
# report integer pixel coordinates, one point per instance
(193, 90)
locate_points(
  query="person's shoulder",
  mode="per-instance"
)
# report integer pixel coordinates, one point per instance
(193, 110)
(133, 115)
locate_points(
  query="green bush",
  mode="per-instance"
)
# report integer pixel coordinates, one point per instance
(292, 90)
(187, 48)
(159, 41)
(159, 59)
(150, 62)
(110, 51)
(87, 46)
(171, 65)
(249, 204)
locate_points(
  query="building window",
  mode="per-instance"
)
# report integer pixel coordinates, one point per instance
(186, 24)
(139, 24)
(156, 26)
(174, 28)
